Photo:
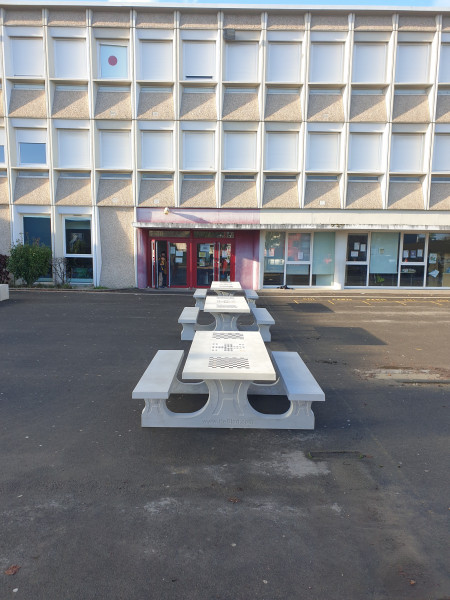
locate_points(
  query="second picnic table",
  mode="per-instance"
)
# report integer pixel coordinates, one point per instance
(226, 310)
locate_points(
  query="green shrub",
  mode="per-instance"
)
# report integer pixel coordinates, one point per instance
(29, 261)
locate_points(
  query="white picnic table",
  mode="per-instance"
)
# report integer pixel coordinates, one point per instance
(226, 310)
(226, 287)
(228, 362)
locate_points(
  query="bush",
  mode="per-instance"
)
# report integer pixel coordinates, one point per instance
(4, 273)
(29, 261)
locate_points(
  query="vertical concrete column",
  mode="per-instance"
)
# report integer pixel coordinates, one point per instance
(340, 253)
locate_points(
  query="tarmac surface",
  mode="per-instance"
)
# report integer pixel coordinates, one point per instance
(92, 506)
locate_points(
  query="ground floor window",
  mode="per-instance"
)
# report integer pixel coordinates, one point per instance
(78, 249)
(37, 229)
(298, 259)
(391, 259)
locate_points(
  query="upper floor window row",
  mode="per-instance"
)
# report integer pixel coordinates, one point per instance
(241, 60)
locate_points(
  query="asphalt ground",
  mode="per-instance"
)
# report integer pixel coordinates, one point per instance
(94, 507)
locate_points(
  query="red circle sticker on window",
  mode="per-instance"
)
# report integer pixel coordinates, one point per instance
(112, 60)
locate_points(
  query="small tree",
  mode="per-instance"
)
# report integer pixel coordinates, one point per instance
(4, 273)
(59, 268)
(29, 261)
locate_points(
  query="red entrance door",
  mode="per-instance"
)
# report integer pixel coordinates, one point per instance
(213, 261)
(191, 262)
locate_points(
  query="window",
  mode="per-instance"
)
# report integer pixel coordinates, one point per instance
(441, 153)
(444, 64)
(412, 267)
(157, 150)
(323, 152)
(369, 63)
(412, 63)
(198, 150)
(326, 63)
(240, 150)
(28, 57)
(364, 152)
(438, 264)
(241, 61)
(282, 151)
(199, 60)
(32, 146)
(70, 58)
(73, 148)
(406, 153)
(2, 146)
(283, 62)
(113, 61)
(156, 61)
(356, 270)
(323, 258)
(384, 250)
(37, 229)
(78, 250)
(274, 258)
(115, 149)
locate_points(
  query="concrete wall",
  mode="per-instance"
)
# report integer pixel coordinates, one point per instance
(5, 230)
(70, 105)
(113, 105)
(239, 194)
(198, 106)
(28, 104)
(73, 192)
(32, 190)
(156, 193)
(117, 235)
(198, 194)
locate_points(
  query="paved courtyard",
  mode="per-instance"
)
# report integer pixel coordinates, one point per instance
(94, 507)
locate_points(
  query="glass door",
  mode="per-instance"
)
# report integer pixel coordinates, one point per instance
(224, 262)
(205, 258)
(178, 252)
(214, 262)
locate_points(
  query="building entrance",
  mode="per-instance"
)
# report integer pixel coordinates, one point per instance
(191, 259)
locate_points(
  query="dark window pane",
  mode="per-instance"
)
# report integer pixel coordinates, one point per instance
(80, 269)
(78, 237)
(37, 229)
(413, 247)
(356, 275)
(411, 276)
(2, 154)
(357, 248)
(274, 258)
(383, 279)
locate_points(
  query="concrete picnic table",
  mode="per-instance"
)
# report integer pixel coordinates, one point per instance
(226, 310)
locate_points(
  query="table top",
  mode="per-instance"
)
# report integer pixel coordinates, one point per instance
(226, 285)
(238, 355)
(226, 304)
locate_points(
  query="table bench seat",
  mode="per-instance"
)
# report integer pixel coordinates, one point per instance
(157, 383)
(296, 382)
(200, 297)
(251, 296)
(264, 321)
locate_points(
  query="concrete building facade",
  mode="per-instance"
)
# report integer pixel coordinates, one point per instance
(275, 146)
